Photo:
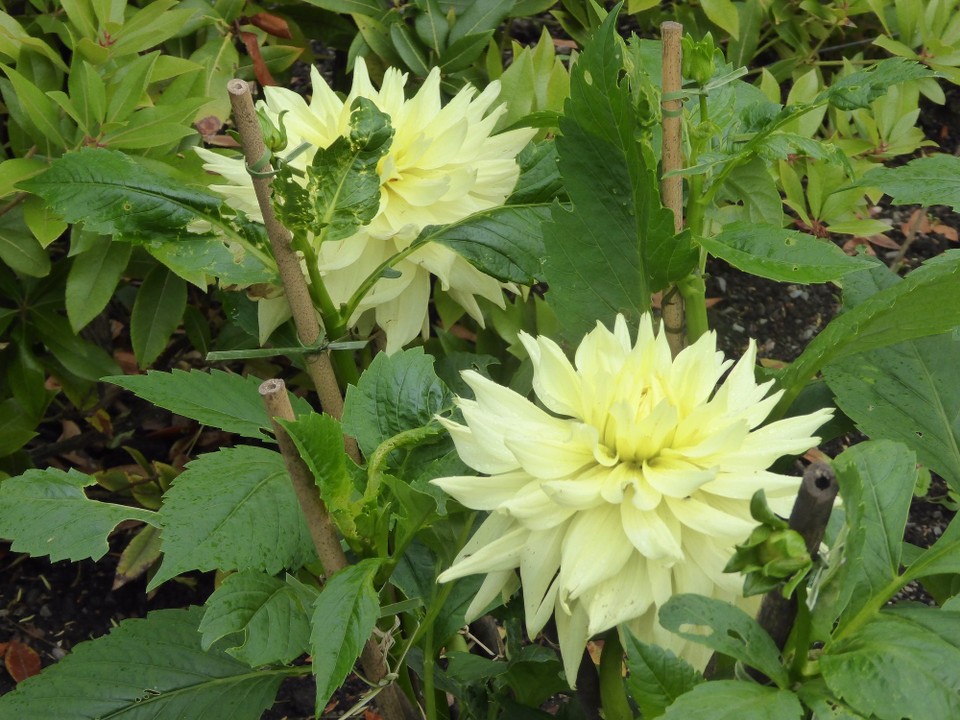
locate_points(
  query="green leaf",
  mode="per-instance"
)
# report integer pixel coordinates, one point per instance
(128, 85)
(19, 249)
(480, 16)
(45, 512)
(319, 439)
(397, 392)
(83, 359)
(539, 180)
(657, 676)
(735, 700)
(222, 400)
(409, 48)
(113, 193)
(344, 615)
(16, 427)
(876, 483)
(943, 557)
(343, 186)
(859, 89)
(232, 510)
(927, 302)
(463, 53)
(150, 669)
(42, 111)
(272, 615)
(926, 181)
(907, 392)
(44, 224)
(373, 8)
(157, 312)
(505, 242)
(195, 258)
(93, 277)
(724, 628)
(824, 704)
(138, 556)
(782, 255)
(903, 664)
(617, 230)
(723, 13)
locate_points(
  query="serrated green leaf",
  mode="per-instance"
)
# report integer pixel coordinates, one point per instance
(19, 249)
(45, 512)
(735, 700)
(504, 242)
(195, 258)
(272, 615)
(344, 615)
(343, 186)
(233, 510)
(93, 277)
(927, 302)
(907, 392)
(218, 399)
(902, 664)
(397, 392)
(724, 628)
(113, 193)
(926, 181)
(876, 483)
(859, 89)
(657, 676)
(149, 669)
(782, 255)
(617, 230)
(319, 439)
(539, 180)
(157, 312)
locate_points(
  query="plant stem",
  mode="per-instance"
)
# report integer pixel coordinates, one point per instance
(671, 304)
(613, 695)
(318, 365)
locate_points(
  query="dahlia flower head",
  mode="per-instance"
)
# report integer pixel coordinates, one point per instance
(442, 166)
(628, 483)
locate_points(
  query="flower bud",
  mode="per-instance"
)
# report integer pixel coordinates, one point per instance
(698, 63)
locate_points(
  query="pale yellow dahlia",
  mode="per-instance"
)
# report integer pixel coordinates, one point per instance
(631, 483)
(442, 166)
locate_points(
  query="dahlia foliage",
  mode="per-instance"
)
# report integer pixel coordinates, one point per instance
(630, 484)
(442, 166)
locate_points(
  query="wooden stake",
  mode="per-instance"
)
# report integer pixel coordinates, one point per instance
(671, 303)
(393, 704)
(318, 365)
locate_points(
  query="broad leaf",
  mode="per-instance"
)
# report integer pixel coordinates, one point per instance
(196, 258)
(343, 187)
(907, 392)
(657, 676)
(218, 399)
(319, 438)
(859, 89)
(273, 617)
(735, 700)
(824, 704)
(902, 664)
(397, 392)
(45, 512)
(93, 277)
(114, 193)
(151, 669)
(782, 255)
(617, 230)
(157, 312)
(233, 510)
(876, 481)
(504, 242)
(344, 615)
(19, 249)
(925, 181)
(942, 558)
(927, 302)
(724, 628)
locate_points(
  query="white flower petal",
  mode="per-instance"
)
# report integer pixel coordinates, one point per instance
(593, 550)
(539, 563)
(484, 493)
(573, 635)
(500, 554)
(654, 533)
(502, 582)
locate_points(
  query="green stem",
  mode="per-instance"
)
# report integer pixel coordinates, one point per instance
(429, 693)
(871, 608)
(613, 695)
(694, 291)
(801, 634)
(351, 305)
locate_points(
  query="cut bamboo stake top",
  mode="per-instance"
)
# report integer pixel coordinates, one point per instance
(394, 705)
(318, 365)
(671, 303)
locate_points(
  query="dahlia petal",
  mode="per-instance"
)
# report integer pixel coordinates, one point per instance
(539, 563)
(478, 449)
(573, 635)
(741, 485)
(484, 493)
(594, 549)
(502, 582)
(693, 513)
(555, 381)
(619, 598)
(500, 554)
(535, 510)
(675, 477)
(654, 533)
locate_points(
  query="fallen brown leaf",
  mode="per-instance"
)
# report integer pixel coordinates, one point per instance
(21, 661)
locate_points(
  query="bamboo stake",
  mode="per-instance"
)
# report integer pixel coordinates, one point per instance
(393, 704)
(671, 304)
(318, 365)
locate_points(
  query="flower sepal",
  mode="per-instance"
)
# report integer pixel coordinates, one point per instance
(772, 555)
